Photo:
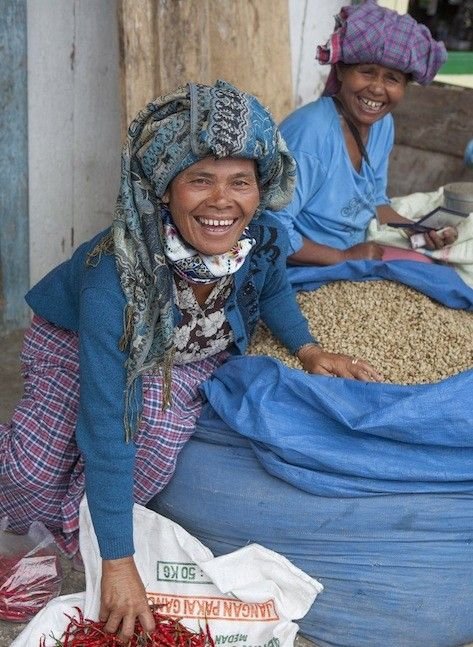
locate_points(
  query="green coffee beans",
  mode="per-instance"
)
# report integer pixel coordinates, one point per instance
(408, 337)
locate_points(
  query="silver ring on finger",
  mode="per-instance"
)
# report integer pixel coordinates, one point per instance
(354, 360)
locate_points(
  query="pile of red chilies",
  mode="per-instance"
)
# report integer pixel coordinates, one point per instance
(27, 583)
(169, 632)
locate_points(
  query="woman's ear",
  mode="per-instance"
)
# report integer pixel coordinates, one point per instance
(165, 198)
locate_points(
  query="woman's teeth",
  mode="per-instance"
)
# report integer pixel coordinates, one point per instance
(372, 105)
(209, 222)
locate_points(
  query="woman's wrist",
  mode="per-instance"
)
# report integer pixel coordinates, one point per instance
(119, 562)
(306, 349)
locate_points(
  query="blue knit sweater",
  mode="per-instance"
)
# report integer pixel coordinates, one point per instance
(90, 301)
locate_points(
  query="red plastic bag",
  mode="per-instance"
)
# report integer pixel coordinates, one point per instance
(30, 572)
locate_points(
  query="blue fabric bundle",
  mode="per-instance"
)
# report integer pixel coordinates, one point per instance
(366, 487)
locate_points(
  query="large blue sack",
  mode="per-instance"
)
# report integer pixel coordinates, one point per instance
(366, 487)
(439, 282)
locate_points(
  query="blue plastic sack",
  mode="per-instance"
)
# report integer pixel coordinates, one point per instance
(339, 437)
(366, 487)
(397, 570)
(439, 282)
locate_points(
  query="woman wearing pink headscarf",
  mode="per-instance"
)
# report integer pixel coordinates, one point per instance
(342, 141)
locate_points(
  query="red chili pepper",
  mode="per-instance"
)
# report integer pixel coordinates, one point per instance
(169, 632)
(27, 583)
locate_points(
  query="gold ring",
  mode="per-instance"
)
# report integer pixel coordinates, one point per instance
(354, 361)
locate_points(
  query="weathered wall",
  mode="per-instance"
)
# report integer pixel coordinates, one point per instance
(74, 105)
(433, 126)
(13, 165)
(165, 44)
(74, 125)
(311, 25)
(74, 100)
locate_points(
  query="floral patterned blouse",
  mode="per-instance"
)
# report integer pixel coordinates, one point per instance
(203, 330)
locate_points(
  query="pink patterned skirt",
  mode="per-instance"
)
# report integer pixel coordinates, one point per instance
(41, 469)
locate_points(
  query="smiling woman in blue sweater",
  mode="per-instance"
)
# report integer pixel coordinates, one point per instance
(125, 332)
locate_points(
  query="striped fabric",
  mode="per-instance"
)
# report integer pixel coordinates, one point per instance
(41, 470)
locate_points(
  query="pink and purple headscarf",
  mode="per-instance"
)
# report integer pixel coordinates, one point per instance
(368, 33)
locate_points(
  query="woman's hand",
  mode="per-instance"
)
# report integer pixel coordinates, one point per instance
(440, 239)
(123, 598)
(315, 360)
(364, 252)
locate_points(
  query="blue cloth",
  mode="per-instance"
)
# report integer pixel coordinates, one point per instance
(333, 203)
(338, 437)
(439, 282)
(90, 301)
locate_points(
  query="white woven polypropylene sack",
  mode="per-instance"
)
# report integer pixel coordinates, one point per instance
(249, 597)
(459, 255)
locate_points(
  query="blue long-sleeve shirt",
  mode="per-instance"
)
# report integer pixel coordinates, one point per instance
(333, 203)
(90, 301)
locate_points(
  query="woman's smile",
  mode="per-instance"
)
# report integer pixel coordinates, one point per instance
(368, 92)
(212, 202)
(213, 224)
(370, 106)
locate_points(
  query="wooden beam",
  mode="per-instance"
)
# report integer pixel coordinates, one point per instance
(166, 44)
(139, 60)
(250, 47)
(435, 118)
(183, 41)
(14, 255)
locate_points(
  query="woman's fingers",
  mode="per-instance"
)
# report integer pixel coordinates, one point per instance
(441, 238)
(346, 366)
(123, 598)
(113, 622)
(124, 622)
(362, 370)
(449, 235)
(127, 628)
(147, 620)
(316, 360)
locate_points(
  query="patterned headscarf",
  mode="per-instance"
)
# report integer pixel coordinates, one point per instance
(169, 135)
(368, 33)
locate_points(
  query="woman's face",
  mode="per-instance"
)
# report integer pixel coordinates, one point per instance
(212, 202)
(369, 91)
